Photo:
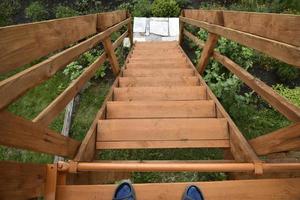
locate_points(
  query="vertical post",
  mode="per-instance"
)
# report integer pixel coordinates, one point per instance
(130, 30)
(181, 27)
(111, 55)
(209, 46)
(50, 188)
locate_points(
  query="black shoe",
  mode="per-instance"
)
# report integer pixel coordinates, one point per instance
(192, 192)
(124, 191)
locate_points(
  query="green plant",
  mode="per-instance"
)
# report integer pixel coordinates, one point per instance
(73, 70)
(88, 6)
(142, 8)
(7, 9)
(165, 8)
(36, 11)
(291, 94)
(287, 72)
(65, 11)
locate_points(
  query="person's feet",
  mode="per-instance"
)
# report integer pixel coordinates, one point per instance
(124, 191)
(192, 193)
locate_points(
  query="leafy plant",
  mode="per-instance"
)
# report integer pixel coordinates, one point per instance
(165, 8)
(65, 11)
(73, 70)
(36, 11)
(142, 8)
(7, 9)
(291, 94)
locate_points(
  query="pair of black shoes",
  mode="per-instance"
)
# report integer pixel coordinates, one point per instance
(125, 191)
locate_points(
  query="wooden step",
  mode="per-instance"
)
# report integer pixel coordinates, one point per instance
(158, 72)
(160, 109)
(159, 93)
(156, 52)
(259, 189)
(158, 58)
(162, 130)
(158, 81)
(157, 65)
(159, 62)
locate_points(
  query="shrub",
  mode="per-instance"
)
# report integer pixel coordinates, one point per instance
(165, 8)
(88, 6)
(291, 94)
(65, 11)
(7, 9)
(142, 8)
(36, 11)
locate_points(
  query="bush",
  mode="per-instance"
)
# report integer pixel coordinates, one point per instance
(165, 8)
(142, 8)
(36, 12)
(7, 9)
(65, 11)
(291, 94)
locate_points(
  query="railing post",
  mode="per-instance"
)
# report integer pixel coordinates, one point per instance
(181, 28)
(130, 30)
(111, 55)
(209, 46)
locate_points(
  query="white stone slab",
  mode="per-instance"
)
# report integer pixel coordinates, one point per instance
(126, 42)
(173, 27)
(139, 24)
(159, 26)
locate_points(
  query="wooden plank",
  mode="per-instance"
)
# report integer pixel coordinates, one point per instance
(20, 133)
(159, 62)
(16, 85)
(108, 19)
(160, 109)
(280, 27)
(129, 28)
(163, 144)
(268, 189)
(181, 29)
(159, 93)
(285, 139)
(150, 65)
(119, 41)
(281, 104)
(157, 72)
(22, 44)
(193, 38)
(21, 181)
(56, 106)
(162, 129)
(207, 51)
(109, 50)
(282, 51)
(240, 148)
(51, 181)
(157, 81)
(210, 16)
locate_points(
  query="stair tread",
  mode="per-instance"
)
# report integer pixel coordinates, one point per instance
(160, 109)
(162, 129)
(157, 66)
(159, 93)
(158, 81)
(158, 72)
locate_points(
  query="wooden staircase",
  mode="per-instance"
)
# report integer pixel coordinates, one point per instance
(157, 106)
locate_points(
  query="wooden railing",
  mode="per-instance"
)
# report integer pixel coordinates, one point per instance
(276, 35)
(61, 41)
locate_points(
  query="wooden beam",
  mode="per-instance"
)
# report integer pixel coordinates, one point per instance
(21, 181)
(22, 44)
(207, 51)
(280, 27)
(16, 85)
(193, 38)
(181, 29)
(285, 139)
(130, 29)
(281, 104)
(268, 189)
(282, 51)
(51, 182)
(21, 133)
(119, 41)
(108, 19)
(56, 106)
(109, 50)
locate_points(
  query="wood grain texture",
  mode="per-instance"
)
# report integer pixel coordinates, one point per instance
(18, 84)
(51, 182)
(159, 93)
(56, 106)
(108, 19)
(22, 44)
(151, 65)
(282, 51)
(21, 181)
(160, 109)
(285, 139)
(162, 129)
(113, 60)
(157, 72)
(21, 133)
(269, 189)
(157, 81)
